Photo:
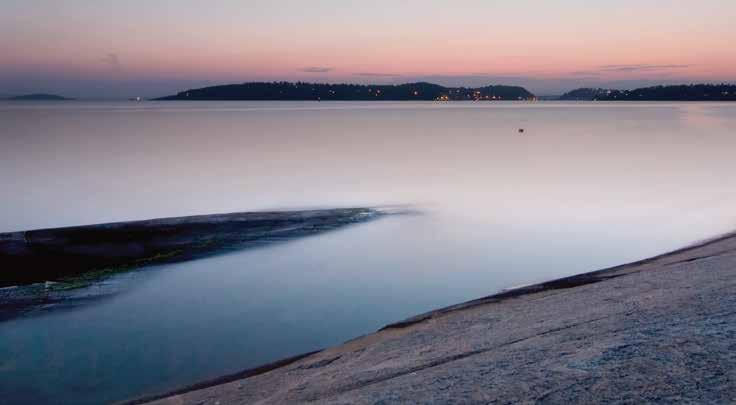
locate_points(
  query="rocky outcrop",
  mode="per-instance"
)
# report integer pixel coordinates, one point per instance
(659, 330)
(51, 254)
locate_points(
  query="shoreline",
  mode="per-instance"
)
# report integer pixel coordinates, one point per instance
(53, 268)
(55, 253)
(272, 382)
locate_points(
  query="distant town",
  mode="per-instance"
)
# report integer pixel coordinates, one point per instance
(692, 92)
(422, 91)
(341, 92)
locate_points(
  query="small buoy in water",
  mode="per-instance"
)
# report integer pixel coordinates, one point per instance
(521, 130)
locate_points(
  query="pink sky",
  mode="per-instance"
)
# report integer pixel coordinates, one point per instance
(115, 48)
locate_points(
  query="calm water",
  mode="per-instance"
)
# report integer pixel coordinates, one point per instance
(584, 187)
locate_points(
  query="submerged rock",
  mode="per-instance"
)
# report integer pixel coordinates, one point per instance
(48, 268)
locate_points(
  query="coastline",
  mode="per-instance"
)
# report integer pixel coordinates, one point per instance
(558, 340)
(52, 268)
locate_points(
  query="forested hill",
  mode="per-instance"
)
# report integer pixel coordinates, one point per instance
(584, 94)
(339, 92)
(685, 92)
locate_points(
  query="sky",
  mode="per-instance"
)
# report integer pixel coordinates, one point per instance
(120, 49)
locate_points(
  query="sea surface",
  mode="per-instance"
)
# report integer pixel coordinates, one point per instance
(584, 186)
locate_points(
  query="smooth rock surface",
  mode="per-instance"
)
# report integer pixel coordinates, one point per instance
(660, 330)
(50, 254)
(51, 269)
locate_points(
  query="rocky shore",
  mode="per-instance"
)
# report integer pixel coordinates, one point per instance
(62, 267)
(658, 330)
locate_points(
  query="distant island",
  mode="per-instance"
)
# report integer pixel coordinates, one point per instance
(39, 97)
(684, 92)
(584, 94)
(343, 92)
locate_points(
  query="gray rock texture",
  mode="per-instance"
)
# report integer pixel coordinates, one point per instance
(661, 330)
(50, 269)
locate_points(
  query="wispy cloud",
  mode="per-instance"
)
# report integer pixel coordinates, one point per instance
(113, 61)
(316, 69)
(639, 67)
(375, 74)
